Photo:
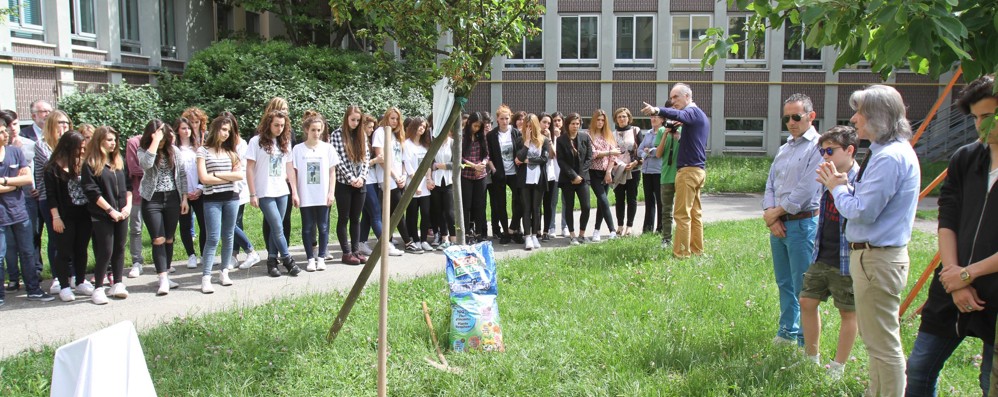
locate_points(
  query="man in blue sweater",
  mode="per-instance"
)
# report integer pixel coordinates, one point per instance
(692, 158)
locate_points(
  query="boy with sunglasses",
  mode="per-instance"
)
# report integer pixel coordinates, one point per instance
(828, 274)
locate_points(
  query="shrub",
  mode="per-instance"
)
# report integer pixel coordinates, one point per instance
(124, 107)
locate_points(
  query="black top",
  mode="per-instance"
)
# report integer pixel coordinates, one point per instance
(575, 162)
(963, 209)
(495, 149)
(57, 188)
(28, 131)
(541, 161)
(112, 185)
(828, 247)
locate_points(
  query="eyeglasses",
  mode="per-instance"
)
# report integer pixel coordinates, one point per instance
(827, 151)
(796, 117)
(63, 122)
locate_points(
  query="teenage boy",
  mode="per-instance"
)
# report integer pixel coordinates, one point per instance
(828, 274)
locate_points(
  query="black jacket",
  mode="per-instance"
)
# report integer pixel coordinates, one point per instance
(572, 164)
(112, 185)
(28, 131)
(58, 194)
(541, 161)
(967, 208)
(495, 152)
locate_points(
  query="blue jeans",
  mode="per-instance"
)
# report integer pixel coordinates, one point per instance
(313, 218)
(372, 213)
(273, 212)
(791, 257)
(13, 270)
(220, 225)
(241, 240)
(927, 358)
(21, 234)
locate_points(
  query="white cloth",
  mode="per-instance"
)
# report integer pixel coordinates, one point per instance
(444, 155)
(189, 161)
(413, 155)
(242, 185)
(109, 362)
(533, 170)
(312, 166)
(506, 149)
(378, 141)
(553, 168)
(270, 169)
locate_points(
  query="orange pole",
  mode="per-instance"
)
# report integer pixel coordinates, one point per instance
(935, 108)
(932, 186)
(921, 281)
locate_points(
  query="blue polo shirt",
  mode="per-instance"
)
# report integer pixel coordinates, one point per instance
(12, 210)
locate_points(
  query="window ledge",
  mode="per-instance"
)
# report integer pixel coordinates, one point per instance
(36, 43)
(82, 48)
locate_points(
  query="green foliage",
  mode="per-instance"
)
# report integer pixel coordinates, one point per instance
(929, 36)
(733, 174)
(124, 107)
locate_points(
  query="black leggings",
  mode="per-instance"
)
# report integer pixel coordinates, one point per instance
(532, 195)
(349, 205)
(628, 190)
(186, 226)
(501, 222)
(653, 201)
(568, 194)
(266, 227)
(109, 248)
(549, 206)
(442, 209)
(603, 211)
(72, 261)
(160, 214)
(418, 211)
(473, 201)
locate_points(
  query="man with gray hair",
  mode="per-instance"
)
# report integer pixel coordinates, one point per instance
(790, 209)
(40, 110)
(879, 208)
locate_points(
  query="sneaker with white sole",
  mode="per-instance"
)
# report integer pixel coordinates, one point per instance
(40, 297)
(528, 243)
(136, 270)
(413, 248)
(595, 238)
(224, 279)
(55, 288)
(426, 246)
(329, 256)
(85, 288)
(164, 285)
(320, 264)
(172, 270)
(393, 251)
(118, 291)
(67, 295)
(364, 248)
(173, 284)
(192, 262)
(565, 232)
(537, 244)
(206, 285)
(251, 259)
(98, 297)
(310, 267)
(612, 235)
(574, 241)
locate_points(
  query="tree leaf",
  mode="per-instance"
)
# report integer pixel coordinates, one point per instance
(956, 49)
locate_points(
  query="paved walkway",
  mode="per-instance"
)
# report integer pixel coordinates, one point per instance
(29, 325)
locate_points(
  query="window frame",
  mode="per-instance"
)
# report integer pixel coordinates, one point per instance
(28, 30)
(131, 45)
(799, 61)
(634, 40)
(745, 60)
(578, 52)
(745, 133)
(77, 21)
(689, 40)
(524, 61)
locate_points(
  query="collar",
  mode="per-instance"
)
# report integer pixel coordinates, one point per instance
(38, 131)
(811, 135)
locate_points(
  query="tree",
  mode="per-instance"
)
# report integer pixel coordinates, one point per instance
(478, 32)
(928, 36)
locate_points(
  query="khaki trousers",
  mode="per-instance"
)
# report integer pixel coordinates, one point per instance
(688, 212)
(879, 276)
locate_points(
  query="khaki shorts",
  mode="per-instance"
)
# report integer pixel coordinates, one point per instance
(822, 280)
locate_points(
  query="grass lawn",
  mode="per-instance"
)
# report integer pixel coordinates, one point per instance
(617, 318)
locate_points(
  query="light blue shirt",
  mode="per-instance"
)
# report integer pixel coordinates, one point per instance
(881, 206)
(650, 163)
(792, 183)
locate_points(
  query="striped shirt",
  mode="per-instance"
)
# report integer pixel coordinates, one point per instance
(213, 162)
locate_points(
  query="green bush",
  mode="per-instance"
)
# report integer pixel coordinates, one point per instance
(124, 107)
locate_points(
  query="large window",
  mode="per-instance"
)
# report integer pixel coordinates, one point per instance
(579, 38)
(82, 12)
(744, 134)
(686, 33)
(635, 38)
(794, 51)
(224, 21)
(129, 13)
(26, 21)
(167, 29)
(252, 23)
(528, 51)
(748, 52)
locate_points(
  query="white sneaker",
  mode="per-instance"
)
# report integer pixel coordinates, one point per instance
(173, 284)
(311, 265)
(192, 262)
(85, 289)
(164, 285)
(574, 241)
(613, 235)
(66, 294)
(537, 244)
(329, 256)
(118, 291)
(136, 270)
(232, 264)
(251, 259)
(565, 232)
(320, 264)
(206, 285)
(55, 288)
(392, 251)
(528, 243)
(364, 249)
(426, 246)
(595, 238)
(225, 280)
(98, 297)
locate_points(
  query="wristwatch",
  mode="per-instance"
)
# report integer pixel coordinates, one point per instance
(965, 275)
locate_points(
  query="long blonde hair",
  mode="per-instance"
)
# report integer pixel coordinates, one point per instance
(398, 130)
(604, 132)
(96, 157)
(535, 137)
(51, 132)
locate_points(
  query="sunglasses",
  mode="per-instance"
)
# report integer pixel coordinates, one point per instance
(796, 117)
(827, 151)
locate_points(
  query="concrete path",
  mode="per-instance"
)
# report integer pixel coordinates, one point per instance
(28, 325)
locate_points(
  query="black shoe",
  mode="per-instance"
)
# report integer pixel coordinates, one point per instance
(289, 263)
(40, 297)
(546, 237)
(272, 268)
(518, 238)
(504, 239)
(13, 286)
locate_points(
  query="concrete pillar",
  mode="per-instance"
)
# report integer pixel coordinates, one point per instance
(663, 53)
(717, 124)
(198, 28)
(8, 101)
(550, 44)
(149, 33)
(607, 57)
(58, 24)
(495, 92)
(828, 115)
(774, 113)
(109, 33)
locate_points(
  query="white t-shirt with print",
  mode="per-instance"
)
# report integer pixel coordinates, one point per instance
(414, 155)
(269, 171)
(312, 166)
(506, 148)
(378, 141)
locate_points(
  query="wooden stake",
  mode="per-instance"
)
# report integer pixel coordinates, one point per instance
(386, 236)
(433, 335)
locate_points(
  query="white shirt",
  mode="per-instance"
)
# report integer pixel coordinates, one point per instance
(269, 169)
(312, 167)
(506, 149)
(414, 155)
(533, 170)
(378, 141)
(243, 185)
(444, 155)
(28, 148)
(189, 161)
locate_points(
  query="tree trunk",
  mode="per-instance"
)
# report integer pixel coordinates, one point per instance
(456, 186)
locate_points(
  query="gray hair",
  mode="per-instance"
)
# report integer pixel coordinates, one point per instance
(684, 89)
(804, 100)
(884, 111)
(37, 101)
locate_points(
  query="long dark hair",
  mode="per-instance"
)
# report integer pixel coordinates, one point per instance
(267, 139)
(214, 141)
(67, 154)
(194, 139)
(471, 136)
(167, 150)
(410, 132)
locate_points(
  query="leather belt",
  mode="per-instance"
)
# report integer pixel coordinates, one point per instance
(865, 246)
(800, 215)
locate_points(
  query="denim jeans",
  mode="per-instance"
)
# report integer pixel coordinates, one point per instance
(371, 218)
(273, 209)
(23, 246)
(791, 257)
(135, 231)
(312, 219)
(927, 357)
(220, 224)
(240, 240)
(13, 265)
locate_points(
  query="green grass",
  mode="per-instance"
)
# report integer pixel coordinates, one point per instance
(618, 318)
(929, 215)
(730, 174)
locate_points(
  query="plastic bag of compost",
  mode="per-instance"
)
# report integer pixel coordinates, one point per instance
(471, 275)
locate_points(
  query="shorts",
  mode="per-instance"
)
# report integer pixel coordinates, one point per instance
(822, 281)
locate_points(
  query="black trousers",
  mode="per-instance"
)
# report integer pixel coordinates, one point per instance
(532, 195)
(72, 260)
(349, 205)
(627, 196)
(500, 218)
(109, 248)
(418, 211)
(395, 196)
(568, 194)
(549, 206)
(473, 201)
(187, 225)
(442, 209)
(603, 211)
(161, 213)
(652, 184)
